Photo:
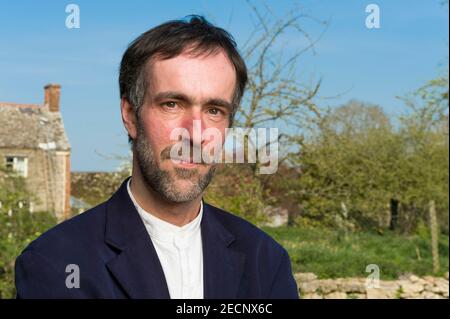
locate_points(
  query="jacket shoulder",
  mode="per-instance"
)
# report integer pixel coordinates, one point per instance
(41, 269)
(77, 231)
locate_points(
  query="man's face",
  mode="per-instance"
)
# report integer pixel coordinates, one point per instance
(182, 90)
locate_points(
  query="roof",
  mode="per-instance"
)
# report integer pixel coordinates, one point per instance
(31, 126)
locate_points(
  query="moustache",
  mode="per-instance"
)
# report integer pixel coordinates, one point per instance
(166, 154)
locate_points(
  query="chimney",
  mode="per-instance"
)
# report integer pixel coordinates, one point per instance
(51, 96)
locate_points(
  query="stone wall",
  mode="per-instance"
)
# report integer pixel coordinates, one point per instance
(409, 287)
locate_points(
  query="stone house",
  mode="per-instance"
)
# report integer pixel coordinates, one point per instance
(33, 143)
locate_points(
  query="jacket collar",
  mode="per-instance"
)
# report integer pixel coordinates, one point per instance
(137, 268)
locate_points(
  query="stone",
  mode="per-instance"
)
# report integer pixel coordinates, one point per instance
(429, 279)
(409, 287)
(380, 293)
(312, 296)
(430, 295)
(336, 295)
(328, 285)
(308, 287)
(352, 285)
(411, 290)
(441, 287)
(305, 277)
(428, 287)
(356, 296)
(405, 276)
(393, 286)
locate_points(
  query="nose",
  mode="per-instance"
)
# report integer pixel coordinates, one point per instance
(194, 123)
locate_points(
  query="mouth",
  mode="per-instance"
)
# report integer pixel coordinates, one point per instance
(184, 163)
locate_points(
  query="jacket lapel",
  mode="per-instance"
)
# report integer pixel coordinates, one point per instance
(136, 268)
(222, 266)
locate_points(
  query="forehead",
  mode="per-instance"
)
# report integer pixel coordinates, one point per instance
(204, 76)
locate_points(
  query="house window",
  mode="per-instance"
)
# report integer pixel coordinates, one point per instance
(18, 164)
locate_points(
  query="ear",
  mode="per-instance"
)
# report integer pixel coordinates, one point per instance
(128, 118)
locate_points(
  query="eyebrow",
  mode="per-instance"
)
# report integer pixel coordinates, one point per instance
(184, 98)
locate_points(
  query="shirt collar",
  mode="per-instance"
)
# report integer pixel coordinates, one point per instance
(164, 231)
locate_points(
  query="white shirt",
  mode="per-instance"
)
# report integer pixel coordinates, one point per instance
(179, 250)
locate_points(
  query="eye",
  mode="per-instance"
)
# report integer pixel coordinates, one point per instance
(170, 104)
(215, 111)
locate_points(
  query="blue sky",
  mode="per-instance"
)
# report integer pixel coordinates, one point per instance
(373, 65)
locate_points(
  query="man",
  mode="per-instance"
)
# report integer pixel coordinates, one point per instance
(155, 237)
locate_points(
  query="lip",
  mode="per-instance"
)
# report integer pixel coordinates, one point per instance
(184, 163)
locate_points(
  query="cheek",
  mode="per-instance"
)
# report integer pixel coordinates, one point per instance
(212, 140)
(158, 131)
(221, 129)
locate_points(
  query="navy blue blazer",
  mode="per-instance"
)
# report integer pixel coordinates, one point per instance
(117, 259)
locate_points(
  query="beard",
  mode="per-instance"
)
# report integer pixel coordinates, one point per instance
(162, 181)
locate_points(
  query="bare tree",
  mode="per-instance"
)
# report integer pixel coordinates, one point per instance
(275, 95)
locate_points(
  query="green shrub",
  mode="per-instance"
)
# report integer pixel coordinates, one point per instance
(17, 231)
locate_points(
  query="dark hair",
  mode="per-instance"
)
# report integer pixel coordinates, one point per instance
(169, 40)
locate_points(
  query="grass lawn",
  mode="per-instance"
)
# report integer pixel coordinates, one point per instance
(330, 255)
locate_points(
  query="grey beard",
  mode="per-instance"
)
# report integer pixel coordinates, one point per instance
(161, 181)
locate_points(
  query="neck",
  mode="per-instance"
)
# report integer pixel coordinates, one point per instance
(178, 214)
